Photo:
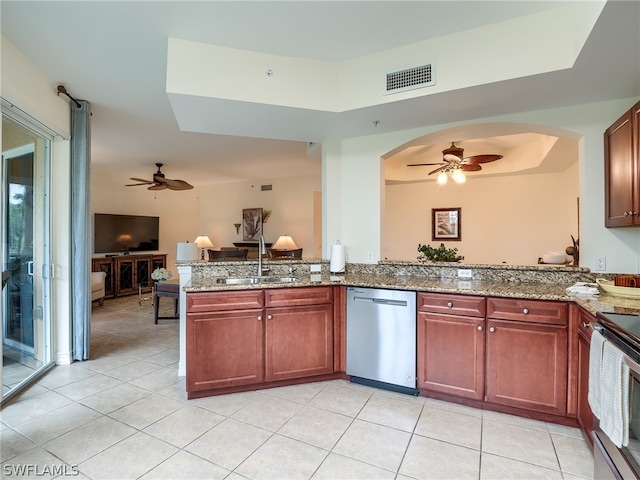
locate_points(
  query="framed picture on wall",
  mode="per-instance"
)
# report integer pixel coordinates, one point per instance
(251, 224)
(445, 224)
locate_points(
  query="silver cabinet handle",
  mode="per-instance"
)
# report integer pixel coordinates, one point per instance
(492, 329)
(269, 317)
(479, 328)
(525, 311)
(450, 304)
(259, 317)
(585, 324)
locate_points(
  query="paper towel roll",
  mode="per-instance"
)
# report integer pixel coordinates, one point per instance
(187, 251)
(338, 258)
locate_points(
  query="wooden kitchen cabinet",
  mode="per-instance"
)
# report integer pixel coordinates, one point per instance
(526, 354)
(298, 342)
(225, 332)
(451, 344)
(258, 337)
(585, 415)
(622, 170)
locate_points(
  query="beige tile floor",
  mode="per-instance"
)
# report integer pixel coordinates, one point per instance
(124, 415)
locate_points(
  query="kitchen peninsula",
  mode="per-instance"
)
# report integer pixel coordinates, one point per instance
(528, 307)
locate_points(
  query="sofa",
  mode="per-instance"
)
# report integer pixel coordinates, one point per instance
(97, 287)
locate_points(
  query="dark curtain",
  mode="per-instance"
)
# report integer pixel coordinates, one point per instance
(80, 228)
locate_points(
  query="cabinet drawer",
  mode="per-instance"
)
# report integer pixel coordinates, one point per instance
(287, 297)
(219, 301)
(452, 304)
(584, 323)
(538, 311)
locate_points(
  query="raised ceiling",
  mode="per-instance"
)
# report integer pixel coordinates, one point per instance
(115, 55)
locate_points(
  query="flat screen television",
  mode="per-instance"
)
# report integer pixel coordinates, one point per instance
(125, 233)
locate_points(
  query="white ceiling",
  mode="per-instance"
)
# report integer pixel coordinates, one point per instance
(114, 55)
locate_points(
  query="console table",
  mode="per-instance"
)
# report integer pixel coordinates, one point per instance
(126, 272)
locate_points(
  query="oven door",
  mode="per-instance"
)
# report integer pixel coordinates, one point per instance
(621, 463)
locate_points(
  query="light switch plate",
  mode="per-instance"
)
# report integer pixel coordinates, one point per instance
(315, 268)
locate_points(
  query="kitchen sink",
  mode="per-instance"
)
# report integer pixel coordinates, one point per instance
(256, 280)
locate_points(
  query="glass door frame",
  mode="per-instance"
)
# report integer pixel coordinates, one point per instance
(42, 266)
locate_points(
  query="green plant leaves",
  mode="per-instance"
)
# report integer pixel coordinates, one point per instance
(440, 254)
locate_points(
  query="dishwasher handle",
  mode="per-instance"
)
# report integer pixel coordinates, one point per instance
(381, 301)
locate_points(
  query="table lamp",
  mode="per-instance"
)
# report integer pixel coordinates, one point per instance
(202, 241)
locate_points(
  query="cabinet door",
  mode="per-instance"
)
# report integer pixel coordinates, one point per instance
(143, 272)
(224, 349)
(585, 415)
(451, 354)
(158, 261)
(620, 173)
(125, 276)
(527, 365)
(298, 341)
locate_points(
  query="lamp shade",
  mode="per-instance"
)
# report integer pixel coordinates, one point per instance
(202, 241)
(284, 242)
(187, 251)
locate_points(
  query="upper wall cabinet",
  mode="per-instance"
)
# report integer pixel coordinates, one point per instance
(622, 170)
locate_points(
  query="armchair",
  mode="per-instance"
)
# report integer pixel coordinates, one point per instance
(97, 287)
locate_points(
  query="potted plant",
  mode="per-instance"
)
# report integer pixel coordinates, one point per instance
(440, 254)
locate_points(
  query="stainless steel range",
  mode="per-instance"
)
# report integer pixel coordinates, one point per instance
(611, 462)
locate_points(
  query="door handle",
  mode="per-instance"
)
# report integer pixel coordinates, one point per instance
(30, 268)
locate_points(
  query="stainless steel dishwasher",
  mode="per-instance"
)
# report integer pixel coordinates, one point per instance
(381, 338)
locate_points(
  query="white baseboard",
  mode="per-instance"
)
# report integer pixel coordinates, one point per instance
(64, 358)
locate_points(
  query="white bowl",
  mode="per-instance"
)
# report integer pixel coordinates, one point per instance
(554, 258)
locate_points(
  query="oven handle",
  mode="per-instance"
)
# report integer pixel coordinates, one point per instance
(631, 364)
(625, 358)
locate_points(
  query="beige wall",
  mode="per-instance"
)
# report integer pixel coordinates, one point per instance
(506, 219)
(212, 210)
(357, 161)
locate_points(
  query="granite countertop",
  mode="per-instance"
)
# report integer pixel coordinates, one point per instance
(489, 288)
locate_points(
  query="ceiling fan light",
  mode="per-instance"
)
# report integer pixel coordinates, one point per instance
(458, 176)
(442, 178)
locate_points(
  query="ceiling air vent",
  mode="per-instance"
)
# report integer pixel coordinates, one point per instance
(266, 188)
(410, 78)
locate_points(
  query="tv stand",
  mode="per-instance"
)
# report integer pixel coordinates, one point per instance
(125, 273)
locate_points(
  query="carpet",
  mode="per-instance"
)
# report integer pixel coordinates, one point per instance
(142, 304)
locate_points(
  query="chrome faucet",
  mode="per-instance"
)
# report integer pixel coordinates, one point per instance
(261, 251)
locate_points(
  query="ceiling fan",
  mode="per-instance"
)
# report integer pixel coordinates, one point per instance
(453, 160)
(160, 182)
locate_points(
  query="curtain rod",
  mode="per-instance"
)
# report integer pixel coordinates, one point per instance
(63, 90)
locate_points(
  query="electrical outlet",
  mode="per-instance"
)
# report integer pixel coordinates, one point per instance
(314, 268)
(601, 264)
(369, 256)
(465, 273)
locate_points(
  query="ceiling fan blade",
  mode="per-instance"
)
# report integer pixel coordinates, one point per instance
(161, 186)
(179, 185)
(437, 170)
(484, 158)
(136, 184)
(470, 167)
(423, 164)
(141, 180)
(170, 182)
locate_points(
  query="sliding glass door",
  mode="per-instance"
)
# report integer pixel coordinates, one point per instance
(26, 332)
